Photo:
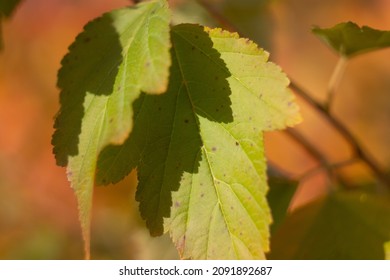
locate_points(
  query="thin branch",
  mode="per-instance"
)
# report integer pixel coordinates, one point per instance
(310, 149)
(333, 166)
(342, 129)
(334, 81)
(316, 154)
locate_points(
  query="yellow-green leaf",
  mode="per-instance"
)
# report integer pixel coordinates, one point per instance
(116, 57)
(199, 147)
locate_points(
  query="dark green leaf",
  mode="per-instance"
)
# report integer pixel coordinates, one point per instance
(350, 225)
(279, 198)
(7, 7)
(348, 39)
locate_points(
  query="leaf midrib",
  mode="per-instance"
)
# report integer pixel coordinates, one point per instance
(206, 152)
(107, 99)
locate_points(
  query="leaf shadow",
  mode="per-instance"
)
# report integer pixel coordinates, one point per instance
(166, 140)
(89, 68)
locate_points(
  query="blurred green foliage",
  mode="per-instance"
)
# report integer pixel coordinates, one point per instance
(343, 225)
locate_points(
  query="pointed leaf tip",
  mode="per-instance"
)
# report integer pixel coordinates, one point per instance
(117, 56)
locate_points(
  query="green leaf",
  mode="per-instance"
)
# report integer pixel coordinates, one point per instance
(348, 39)
(116, 57)
(350, 225)
(199, 147)
(7, 7)
(279, 198)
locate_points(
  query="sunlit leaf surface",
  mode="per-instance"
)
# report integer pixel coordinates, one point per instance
(199, 147)
(116, 57)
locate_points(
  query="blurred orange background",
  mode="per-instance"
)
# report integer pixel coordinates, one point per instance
(38, 211)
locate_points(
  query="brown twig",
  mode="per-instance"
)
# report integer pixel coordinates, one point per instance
(333, 166)
(348, 136)
(314, 152)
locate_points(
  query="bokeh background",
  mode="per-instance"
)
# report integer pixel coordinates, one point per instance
(38, 211)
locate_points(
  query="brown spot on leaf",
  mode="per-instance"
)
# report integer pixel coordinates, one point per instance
(214, 149)
(87, 40)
